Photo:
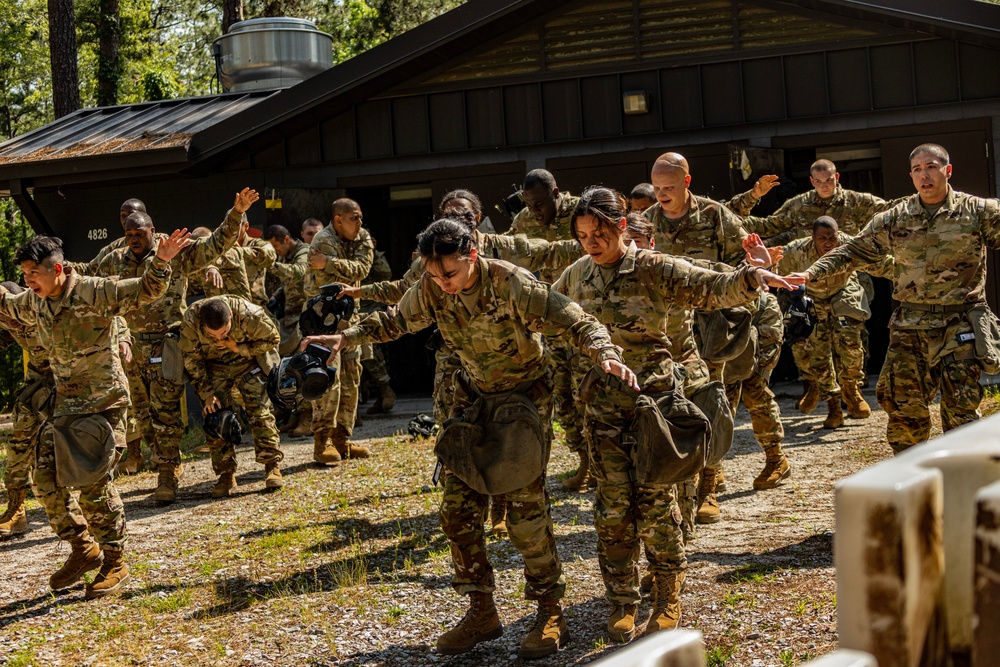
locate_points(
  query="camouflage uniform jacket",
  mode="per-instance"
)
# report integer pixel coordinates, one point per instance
(499, 342)
(380, 272)
(646, 288)
(232, 268)
(291, 271)
(258, 257)
(559, 230)
(939, 260)
(852, 211)
(165, 313)
(347, 262)
(535, 255)
(90, 268)
(708, 230)
(844, 288)
(77, 330)
(38, 366)
(254, 332)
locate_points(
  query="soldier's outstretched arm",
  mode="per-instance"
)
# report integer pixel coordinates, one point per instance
(205, 250)
(19, 308)
(119, 297)
(414, 313)
(871, 246)
(389, 291)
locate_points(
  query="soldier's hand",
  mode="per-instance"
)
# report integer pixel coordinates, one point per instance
(317, 260)
(757, 252)
(353, 292)
(173, 244)
(767, 279)
(244, 199)
(777, 253)
(227, 344)
(620, 370)
(334, 342)
(125, 350)
(211, 405)
(798, 278)
(764, 185)
(213, 277)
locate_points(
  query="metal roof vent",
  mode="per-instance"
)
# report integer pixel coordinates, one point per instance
(269, 53)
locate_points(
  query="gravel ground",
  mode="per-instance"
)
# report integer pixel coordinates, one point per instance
(350, 568)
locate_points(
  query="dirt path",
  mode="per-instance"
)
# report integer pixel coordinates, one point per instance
(352, 569)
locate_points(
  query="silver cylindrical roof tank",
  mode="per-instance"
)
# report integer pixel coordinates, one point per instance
(269, 53)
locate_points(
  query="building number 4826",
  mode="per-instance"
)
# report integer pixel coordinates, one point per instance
(97, 234)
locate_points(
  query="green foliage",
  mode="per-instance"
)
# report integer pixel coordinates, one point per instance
(25, 77)
(14, 231)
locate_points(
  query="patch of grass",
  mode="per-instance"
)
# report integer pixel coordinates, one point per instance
(169, 603)
(393, 615)
(21, 658)
(752, 573)
(800, 608)
(733, 598)
(193, 438)
(718, 655)
(209, 567)
(349, 573)
(600, 644)
(787, 658)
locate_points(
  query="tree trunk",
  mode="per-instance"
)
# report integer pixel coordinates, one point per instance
(108, 65)
(62, 56)
(232, 12)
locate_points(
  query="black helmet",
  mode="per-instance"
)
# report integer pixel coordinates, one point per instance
(800, 316)
(302, 376)
(422, 426)
(225, 425)
(324, 312)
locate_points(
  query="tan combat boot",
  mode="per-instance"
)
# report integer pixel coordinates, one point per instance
(579, 480)
(384, 402)
(226, 483)
(347, 449)
(132, 463)
(304, 425)
(621, 622)
(775, 470)
(667, 606)
(548, 634)
(481, 623)
(810, 397)
(112, 578)
(272, 476)
(14, 520)
(834, 416)
(324, 452)
(720, 479)
(86, 556)
(857, 406)
(498, 516)
(708, 505)
(169, 477)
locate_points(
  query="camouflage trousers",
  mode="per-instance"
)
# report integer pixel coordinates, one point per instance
(251, 389)
(920, 363)
(446, 364)
(156, 403)
(288, 330)
(339, 405)
(567, 374)
(21, 447)
(99, 510)
(531, 533)
(627, 515)
(375, 366)
(765, 415)
(833, 355)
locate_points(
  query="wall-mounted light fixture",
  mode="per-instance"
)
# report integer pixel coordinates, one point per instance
(636, 102)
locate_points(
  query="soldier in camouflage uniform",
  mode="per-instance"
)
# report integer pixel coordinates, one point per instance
(226, 274)
(128, 207)
(492, 314)
(226, 340)
(341, 253)
(258, 257)
(631, 292)
(73, 317)
(310, 227)
(938, 240)
(686, 225)
(156, 375)
(831, 360)
(546, 215)
(290, 269)
(374, 364)
(30, 404)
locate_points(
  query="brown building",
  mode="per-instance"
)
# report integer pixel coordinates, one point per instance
(591, 90)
